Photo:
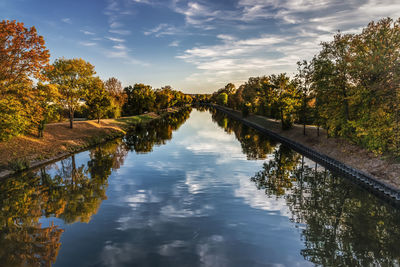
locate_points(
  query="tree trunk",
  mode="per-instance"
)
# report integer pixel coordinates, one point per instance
(397, 135)
(71, 118)
(317, 115)
(304, 113)
(73, 172)
(345, 104)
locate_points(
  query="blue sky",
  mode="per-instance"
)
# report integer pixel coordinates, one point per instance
(194, 46)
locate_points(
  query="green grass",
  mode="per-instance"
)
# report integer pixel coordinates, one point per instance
(18, 164)
(135, 119)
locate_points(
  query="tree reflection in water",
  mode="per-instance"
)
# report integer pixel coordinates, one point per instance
(342, 224)
(72, 193)
(141, 138)
(254, 145)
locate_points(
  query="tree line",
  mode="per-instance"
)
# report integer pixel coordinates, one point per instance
(34, 92)
(351, 88)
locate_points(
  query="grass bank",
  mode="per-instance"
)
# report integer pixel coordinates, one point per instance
(26, 151)
(383, 168)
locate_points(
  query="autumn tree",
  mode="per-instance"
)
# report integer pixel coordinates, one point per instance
(23, 55)
(72, 76)
(230, 88)
(164, 97)
(97, 98)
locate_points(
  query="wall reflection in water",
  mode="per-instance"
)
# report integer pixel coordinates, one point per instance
(343, 225)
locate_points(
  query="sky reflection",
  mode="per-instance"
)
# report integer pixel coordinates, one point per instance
(215, 194)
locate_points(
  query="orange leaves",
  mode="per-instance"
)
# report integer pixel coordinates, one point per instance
(22, 53)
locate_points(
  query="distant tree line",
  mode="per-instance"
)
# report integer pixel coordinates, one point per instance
(66, 88)
(351, 88)
(142, 98)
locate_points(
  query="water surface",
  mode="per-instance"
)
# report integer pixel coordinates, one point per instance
(198, 191)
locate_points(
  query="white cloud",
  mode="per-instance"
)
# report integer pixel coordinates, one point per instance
(120, 47)
(114, 39)
(299, 28)
(88, 43)
(67, 20)
(116, 24)
(162, 30)
(226, 37)
(121, 32)
(174, 44)
(196, 13)
(87, 32)
(155, 29)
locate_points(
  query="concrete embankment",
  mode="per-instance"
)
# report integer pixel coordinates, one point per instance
(372, 183)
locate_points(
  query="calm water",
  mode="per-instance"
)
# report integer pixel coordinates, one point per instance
(198, 191)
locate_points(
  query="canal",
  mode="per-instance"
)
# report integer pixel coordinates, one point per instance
(193, 189)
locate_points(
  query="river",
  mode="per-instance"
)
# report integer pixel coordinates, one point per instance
(193, 189)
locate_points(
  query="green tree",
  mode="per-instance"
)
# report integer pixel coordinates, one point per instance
(335, 58)
(304, 79)
(140, 99)
(286, 99)
(222, 99)
(118, 97)
(47, 98)
(97, 99)
(164, 97)
(72, 76)
(375, 70)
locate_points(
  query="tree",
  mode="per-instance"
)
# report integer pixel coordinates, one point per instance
(13, 117)
(140, 99)
(222, 99)
(22, 57)
(118, 97)
(286, 99)
(23, 54)
(72, 76)
(164, 97)
(230, 88)
(335, 58)
(375, 70)
(303, 77)
(46, 97)
(97, 98)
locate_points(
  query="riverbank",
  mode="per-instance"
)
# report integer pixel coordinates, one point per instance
(384, 169)
(27, 151)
